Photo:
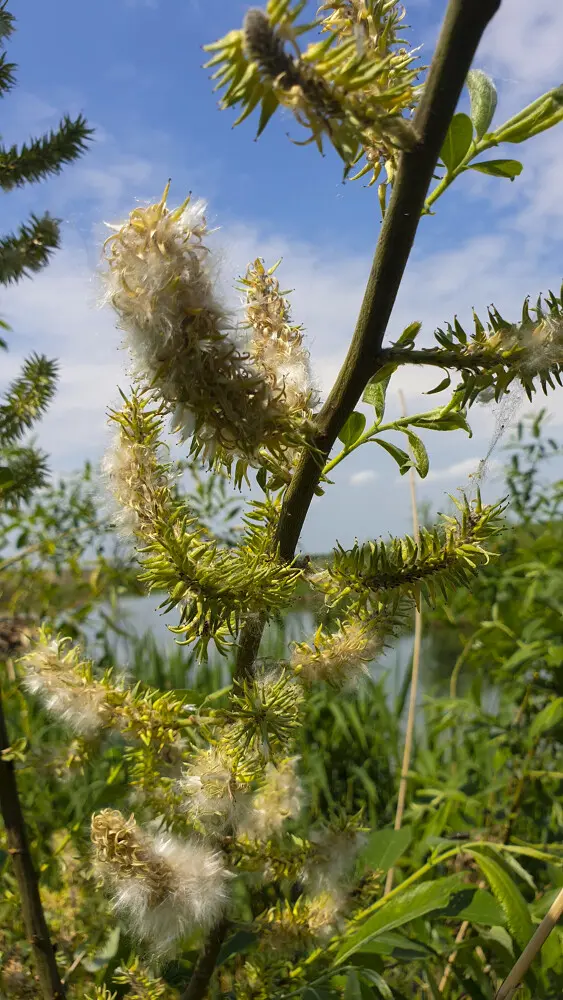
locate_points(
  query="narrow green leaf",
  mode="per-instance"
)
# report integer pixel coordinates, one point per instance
(398, 946)
(457, 142)
(401, 909)
(352, 990)
(6, 477)
(375, 393)
(444, 384)
(498, 168)
(483, 99)
(374, 979)
(400, 456)
(482, 908)
(239, 942)
(507, 893)
(383, 373)
(353, 429)
(419, 453)
(409, 334)
(541, 114)
(549, 717)
(261, 478)
(268, 108)
(385, 847)
(453, 420)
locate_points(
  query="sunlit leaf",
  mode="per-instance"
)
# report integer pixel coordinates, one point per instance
(401, 909)
(353, 429)
(483, 98)
(498, 168)
(457, 141)
(385, 847)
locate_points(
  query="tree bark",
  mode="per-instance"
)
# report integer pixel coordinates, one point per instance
(18, 848)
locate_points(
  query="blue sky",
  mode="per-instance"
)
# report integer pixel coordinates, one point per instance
(134, 68)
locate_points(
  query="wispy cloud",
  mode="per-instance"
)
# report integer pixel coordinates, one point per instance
(459, 472)
(363, 477)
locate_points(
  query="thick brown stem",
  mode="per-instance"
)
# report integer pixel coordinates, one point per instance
(205, 966)
(32, 910)
(463, 26)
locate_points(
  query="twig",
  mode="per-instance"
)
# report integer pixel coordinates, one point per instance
(463, 27)
(464, 927)
(32, 909)
(534, 945)
(411, 717)
(205, 966)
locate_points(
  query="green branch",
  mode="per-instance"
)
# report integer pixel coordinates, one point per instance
(463, 27)
(29, 250)
(205, 966)
(45, 156)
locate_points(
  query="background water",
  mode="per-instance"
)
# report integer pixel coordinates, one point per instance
(139, 618)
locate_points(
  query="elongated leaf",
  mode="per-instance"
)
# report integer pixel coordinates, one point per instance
(353, 428)
(480, 908)
(375, 393)
(457, 142)
(498, 168)
(352, 990)
(444, 384)
(374, 979)
(6, 477)
(451, 421)
(409, 334)
(542, 114)
(239, 942)
(398, 946)
(514, 906)
(384, 372)
(419, 454)
(268, 107)
(549, 717)
(483, 98)
(401, 909)
(385, 847)
(400, 456)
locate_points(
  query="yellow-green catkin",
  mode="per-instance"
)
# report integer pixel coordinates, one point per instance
(183, 340)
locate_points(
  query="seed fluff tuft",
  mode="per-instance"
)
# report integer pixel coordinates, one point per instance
(163, 887)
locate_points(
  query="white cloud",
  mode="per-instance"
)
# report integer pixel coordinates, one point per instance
(514, 249)
(523, 43)
(363, 477)
(462, 471)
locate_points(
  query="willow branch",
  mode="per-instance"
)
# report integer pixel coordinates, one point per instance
(463, 27)
(206, 963)
(439, 357)
(18, 847)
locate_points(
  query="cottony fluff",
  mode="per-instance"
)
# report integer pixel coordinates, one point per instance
(72, 697)
(212, 792)
(340, 658)
(162, 886)
(280, 798)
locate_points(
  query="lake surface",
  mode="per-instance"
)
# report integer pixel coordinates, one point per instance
(139, 617)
